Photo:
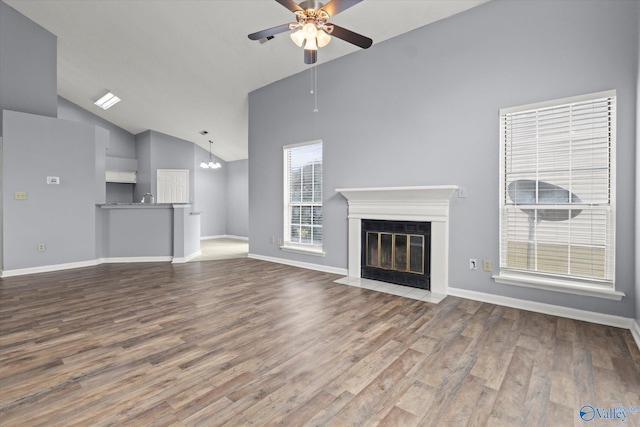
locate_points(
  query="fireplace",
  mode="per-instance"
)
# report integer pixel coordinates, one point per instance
(396, 252)
(419, 204)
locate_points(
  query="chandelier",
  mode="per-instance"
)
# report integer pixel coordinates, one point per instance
(210, 164)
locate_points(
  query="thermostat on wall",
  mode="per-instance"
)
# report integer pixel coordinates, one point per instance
(53, 180)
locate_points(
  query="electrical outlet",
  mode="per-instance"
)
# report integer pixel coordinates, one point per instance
(272, 239)
(20, 195)
(279, 241)
(486, 265)
(473, 264)
(41, 247)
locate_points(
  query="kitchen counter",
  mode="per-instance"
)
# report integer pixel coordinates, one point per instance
(142, 205)
(142, 232)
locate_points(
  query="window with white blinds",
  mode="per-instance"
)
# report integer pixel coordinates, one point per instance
(557, 191)
(303, 197)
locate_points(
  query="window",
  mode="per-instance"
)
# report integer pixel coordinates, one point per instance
(303, 197)
(557, 195)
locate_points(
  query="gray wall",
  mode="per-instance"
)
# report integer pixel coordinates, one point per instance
(211, 196)
(28, 66)
(638, 183)
(422, 109)
(60, 216)
(119, 193)
(36, 145)
(186, 235)
(121, 142)
(152, 231)
(238, 198)
(143, 154)
(168, 152)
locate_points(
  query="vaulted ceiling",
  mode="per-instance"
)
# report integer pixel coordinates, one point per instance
(183, 66)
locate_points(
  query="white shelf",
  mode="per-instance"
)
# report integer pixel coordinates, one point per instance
(121, 176)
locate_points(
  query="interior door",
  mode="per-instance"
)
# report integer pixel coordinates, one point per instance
(173, 186)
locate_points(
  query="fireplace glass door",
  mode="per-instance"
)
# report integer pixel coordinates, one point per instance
(395, 251)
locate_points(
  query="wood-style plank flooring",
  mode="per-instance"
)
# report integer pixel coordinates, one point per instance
(247, 342)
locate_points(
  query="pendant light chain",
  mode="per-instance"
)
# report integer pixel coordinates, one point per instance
(314, 88)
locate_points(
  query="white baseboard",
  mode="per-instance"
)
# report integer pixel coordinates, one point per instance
(307, 265)
(131, 259)
(92, 263)
(538, 307)
(224, 236)
(182, 260)
(48, 268)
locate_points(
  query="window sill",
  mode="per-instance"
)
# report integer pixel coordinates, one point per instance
(559, 285)
(317, 251)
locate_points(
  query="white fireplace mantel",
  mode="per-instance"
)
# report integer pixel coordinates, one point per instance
(421, 203)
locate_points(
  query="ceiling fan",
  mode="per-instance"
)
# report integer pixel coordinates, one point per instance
(312, 29)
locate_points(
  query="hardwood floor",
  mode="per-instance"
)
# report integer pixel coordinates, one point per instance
(247, 342)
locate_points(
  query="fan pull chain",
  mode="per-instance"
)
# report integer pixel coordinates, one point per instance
(314, 88)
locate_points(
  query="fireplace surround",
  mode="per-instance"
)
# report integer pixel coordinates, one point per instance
(419, 203)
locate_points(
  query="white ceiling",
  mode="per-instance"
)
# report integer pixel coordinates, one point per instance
(183, 66)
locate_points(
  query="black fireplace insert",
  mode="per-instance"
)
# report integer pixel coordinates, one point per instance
(396, 252)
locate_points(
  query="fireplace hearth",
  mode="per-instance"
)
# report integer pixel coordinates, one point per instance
(396, 252)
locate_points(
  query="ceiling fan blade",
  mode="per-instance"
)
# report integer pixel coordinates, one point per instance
(269, 32)
(351, 37)
(336, 6)
(290, 4)
(310, 56)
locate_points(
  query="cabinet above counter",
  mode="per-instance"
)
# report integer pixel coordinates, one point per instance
(129, 177)
(121, 170)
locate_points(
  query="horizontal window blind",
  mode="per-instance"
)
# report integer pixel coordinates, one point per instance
(303, 198)
(557, 189)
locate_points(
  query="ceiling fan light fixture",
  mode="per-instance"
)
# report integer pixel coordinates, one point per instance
(311, 44)
(323, 38)
(310, 30)
(298, 38)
